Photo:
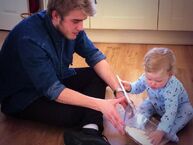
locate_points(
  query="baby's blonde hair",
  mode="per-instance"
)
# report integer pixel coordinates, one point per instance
(158, 59)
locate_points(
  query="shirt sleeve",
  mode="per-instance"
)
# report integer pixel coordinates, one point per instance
(86, 49)
(138, 86)
(39, 69)
(171, 95)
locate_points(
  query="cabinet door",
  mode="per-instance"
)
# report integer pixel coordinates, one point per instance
(45, 3)
(10, 11)
(126, 14)
(86, 23)
(176, 15)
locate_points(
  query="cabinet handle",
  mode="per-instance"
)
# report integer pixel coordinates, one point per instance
(25, 15)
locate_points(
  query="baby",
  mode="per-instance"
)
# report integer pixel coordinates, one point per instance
(166, 95)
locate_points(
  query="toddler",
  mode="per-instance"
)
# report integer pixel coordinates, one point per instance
(166, 95)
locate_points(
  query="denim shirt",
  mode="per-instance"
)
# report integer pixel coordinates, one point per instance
(34, 60)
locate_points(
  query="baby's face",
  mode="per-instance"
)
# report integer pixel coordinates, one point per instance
(158, 79)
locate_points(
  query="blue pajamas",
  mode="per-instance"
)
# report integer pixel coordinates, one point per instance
(184, 115)
(170, 102)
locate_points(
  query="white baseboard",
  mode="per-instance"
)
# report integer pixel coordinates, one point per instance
(141, 36)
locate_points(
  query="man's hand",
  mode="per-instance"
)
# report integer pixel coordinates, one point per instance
(121, 95)
(108, 108)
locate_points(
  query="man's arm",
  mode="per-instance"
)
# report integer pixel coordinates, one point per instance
(71, 97)
(103, 69)
(107, 107)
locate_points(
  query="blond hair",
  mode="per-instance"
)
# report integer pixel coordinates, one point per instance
(158, 59)
(63, 7)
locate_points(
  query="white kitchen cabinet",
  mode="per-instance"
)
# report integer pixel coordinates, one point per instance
(86, 23)
(176, 15)
(118, 14)
(125, 14)
(44, 4)
(10, 11)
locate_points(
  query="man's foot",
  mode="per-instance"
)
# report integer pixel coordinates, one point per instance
(84, 137)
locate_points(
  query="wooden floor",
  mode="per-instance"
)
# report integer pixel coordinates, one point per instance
(126, 61)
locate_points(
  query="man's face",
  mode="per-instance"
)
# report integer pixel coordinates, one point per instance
(71, 25)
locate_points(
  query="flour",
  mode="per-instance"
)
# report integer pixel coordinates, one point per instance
(138, 135)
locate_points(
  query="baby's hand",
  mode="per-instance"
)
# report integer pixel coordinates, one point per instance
(126, 85)
(156, 137)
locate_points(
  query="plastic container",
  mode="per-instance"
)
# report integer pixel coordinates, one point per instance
(137, 127)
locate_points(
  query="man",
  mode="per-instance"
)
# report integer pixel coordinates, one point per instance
(38, 84)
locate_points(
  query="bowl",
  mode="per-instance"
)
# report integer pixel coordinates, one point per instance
(138, 127)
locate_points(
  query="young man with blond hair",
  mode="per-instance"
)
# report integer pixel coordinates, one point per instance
(38, 84)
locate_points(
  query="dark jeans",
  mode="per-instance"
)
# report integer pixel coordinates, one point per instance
(51, 112)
